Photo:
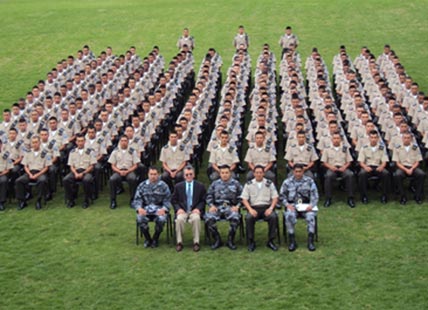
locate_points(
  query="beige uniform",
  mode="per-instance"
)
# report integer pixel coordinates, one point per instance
(336, 156)
(260, 156)
(301, 154)
(173, 156)
(81, 159)
(259, 193)
(407, 156)
(124, 159)
(373, 156)
(224, 156)
(37, 160)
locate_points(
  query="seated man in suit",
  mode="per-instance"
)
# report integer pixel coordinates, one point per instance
(188, 201)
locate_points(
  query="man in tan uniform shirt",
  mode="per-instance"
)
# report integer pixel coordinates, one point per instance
(223, 154)
(6, 165)
(337, 160)
(36, 163)
(124, 161)
(174, 159)
(302, 153)
(260, 198)
(373, 160)
(81, 161)
(261, 154)
(407, 157)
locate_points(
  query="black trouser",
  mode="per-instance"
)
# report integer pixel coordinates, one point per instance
(52, 173)
(363, 177)
(331, 176)
(22, 182)
(4, 180)
(419, 179)
(116, 182)
(70, 185)
(166, 177)
(272, 220)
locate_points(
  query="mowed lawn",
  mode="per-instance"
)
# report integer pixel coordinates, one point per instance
(371, 257)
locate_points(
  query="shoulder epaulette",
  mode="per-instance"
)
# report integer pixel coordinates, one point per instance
(414, 147)
(381, 147)
(268, 183)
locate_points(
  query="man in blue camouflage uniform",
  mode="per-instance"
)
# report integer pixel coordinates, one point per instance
(297, 189)
(152, 203)
(223, 199)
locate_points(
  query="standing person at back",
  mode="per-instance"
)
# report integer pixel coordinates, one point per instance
(186, 39)
(241, 39)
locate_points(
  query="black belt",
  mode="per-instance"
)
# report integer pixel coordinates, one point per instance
(33, 171)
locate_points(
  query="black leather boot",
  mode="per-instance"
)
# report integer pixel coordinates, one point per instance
(230, 240)
(292, 245)
(311, 245)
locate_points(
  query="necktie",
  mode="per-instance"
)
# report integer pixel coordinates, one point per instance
(189, 196)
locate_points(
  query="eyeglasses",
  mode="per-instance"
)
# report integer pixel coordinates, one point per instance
(188, 174)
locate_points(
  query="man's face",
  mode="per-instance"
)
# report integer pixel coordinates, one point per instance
(91, 133)
(129, 132)
(35, 144)
(259, 140)
(6, 116)
(373, 139)
(259, 174)
(189, 175)
(224, 139)
(123, 143)
(44, 136)
(298, 173)
(336, 140)
(301, 138)
(12, 135)
(173, 139)
(407, 139)
(53, 124)
(80, 141)
(153, 176)
(34, 116)
(225, 174)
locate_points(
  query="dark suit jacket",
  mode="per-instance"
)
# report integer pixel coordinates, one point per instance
(179, 197)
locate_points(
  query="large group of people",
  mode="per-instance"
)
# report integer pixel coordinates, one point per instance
(109, 120)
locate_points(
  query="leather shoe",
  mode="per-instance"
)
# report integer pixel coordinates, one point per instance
(272, 246)
(48, 197)
(251, 246)
(155, 243)
(196, 247)
(21, 205)
(38, 205)
(403, 200)
(1, 206)
(383, 199)
(147, 243)
(113, 204)
(70, 204)
(327, 203)
(365, 200)
(351, 202)
(120, 191)
(85, 204)
(231, 245)
(217, 243)
(179, 247)
(418, 201)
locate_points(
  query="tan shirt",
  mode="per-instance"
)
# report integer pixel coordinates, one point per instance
(81, 159)
(407, 156)
(260, 156)
(5, 162)
(336, 156)
(15, 149)
(36, 161)
(97, 147)
(259, 194)
(301, 154)
(173, 156)
(124, 159)
(373, 158)
(224, 156)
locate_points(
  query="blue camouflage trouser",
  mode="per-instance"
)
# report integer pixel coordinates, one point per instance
(291, 220)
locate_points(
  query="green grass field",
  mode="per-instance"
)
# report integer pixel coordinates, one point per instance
(370, 257)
